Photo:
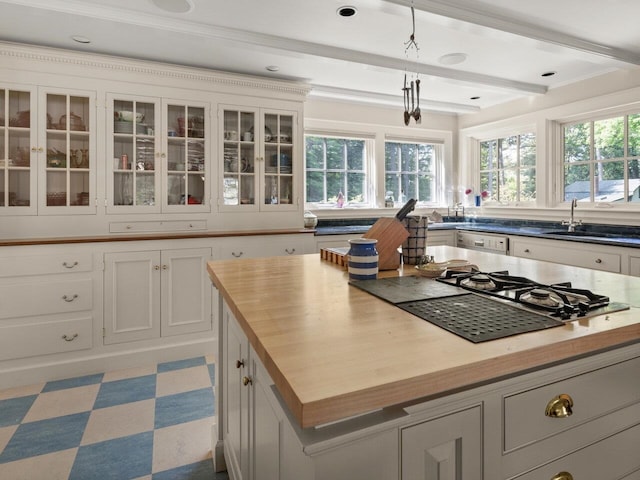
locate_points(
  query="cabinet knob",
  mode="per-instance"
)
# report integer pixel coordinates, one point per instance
(562, 476)
(165, 267)
(526, 250)
(34, 149)
(69, 265)
(247, 381)
(598, 260)
(71, 298)
(239, 363)
(69, 338)
(559, 407)
(156, 267)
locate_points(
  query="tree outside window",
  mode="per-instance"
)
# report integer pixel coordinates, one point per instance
(601, 160)
(335, 166)
(508, 168)
(410, 171)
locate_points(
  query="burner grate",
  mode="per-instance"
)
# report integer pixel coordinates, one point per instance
(477, 318)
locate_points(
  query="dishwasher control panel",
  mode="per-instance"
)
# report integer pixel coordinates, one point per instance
(483, 241)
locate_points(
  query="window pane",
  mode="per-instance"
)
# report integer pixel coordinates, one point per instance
(356, 187)
(425, 159)
(508, 157)
(315, 186)
(488, 155)
(528, 150)
(392, 157)
(608, 138)
(426, 189)
(527, 184)
(634, 180)
(609, 182)
(576, 182)
(508, 186)
(391, 184)
(634, 135)
(355, 155)
(335, 185)
(335, 154)
(577, 140)
(489, 184)
(314, 152)
(408, 157)
(409, 187)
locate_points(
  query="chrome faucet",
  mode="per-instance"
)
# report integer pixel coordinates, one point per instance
(571, 224)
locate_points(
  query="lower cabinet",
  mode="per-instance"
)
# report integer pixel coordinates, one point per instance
(573, 421)
(445, 448)
(149, 294)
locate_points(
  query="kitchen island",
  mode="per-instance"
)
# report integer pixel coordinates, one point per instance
(318, 379)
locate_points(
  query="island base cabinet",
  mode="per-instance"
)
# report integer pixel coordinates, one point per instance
(446, 448)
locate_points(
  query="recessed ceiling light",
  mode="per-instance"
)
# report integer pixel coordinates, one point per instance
(548, 74)
(273, 68)
(80, 39)
(347, 11)
(474, 98)
(452, 58)
(174, 6)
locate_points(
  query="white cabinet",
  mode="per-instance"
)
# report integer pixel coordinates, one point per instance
(149, 294)
(47, 151)
(251, 426)
(567, 253)
(47, 303)
(441, 237)
(157, 155)
(265, 246)
(634, 266)
(260, 159)
(445, 448)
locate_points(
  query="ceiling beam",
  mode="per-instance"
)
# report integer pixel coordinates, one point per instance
(478, 14)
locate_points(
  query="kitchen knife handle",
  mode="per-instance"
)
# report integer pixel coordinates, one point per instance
(406, 209)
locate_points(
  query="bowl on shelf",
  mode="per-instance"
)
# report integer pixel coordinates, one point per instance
(127, 116)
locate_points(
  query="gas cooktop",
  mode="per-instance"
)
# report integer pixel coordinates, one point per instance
(482, 306)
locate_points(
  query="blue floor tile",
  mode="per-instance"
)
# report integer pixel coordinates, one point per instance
(119, 459)
(45, 436)
(180, 364)
(13, 410)
(196, 471)
(212, 373)
(126, 391)
(184, 407)
(73, 382)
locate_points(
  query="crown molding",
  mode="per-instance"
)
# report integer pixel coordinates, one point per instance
(106, 62)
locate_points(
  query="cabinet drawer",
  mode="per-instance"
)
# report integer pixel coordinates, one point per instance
(608, 262)
(42, 298)
(45, 264)
(33, 339)
(610, 459)
(594, 394)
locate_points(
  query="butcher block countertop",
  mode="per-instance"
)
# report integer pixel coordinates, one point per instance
(334, 351)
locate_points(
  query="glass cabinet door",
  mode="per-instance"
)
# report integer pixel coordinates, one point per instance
(239, 157)
(134, 154)
(186, 156)
(68, 151)
(278, 159)
(17, 141)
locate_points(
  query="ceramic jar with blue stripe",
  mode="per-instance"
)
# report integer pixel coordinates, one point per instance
(363, 259)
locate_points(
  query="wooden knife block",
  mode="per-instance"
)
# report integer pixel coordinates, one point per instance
(390, 234)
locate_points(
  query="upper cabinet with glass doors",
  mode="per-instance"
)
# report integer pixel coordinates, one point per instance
(258, 159)
(55, 134)
(159, 156)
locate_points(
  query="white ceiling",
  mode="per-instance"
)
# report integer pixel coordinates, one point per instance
(508, 43)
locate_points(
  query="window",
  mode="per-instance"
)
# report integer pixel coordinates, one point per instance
(336, 170)
(602, 160)
(410, 171)
(508, 168)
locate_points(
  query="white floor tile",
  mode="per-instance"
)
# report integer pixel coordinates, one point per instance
(62, 402)
(119, 421)
(182, 444)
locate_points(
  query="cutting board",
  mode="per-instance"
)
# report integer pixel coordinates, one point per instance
(390, 234)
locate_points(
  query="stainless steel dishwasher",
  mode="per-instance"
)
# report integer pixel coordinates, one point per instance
(486, 242)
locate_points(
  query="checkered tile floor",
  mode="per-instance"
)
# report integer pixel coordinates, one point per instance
(144, 423)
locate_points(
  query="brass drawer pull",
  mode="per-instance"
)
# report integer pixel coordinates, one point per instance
(598, 260)
(247, 381)
(71, 338)
(69, 265)
(68, 299)
(559, 407)
(290, 252)
(563, 476)
(237, 255)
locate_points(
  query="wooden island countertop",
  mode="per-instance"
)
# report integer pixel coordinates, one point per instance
(334, 351)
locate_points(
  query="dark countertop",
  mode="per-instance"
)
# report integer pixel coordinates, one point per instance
(596, 234)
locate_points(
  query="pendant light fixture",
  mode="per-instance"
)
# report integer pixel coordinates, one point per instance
(411, 90)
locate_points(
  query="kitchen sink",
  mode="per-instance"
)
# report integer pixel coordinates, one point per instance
(582, 234)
